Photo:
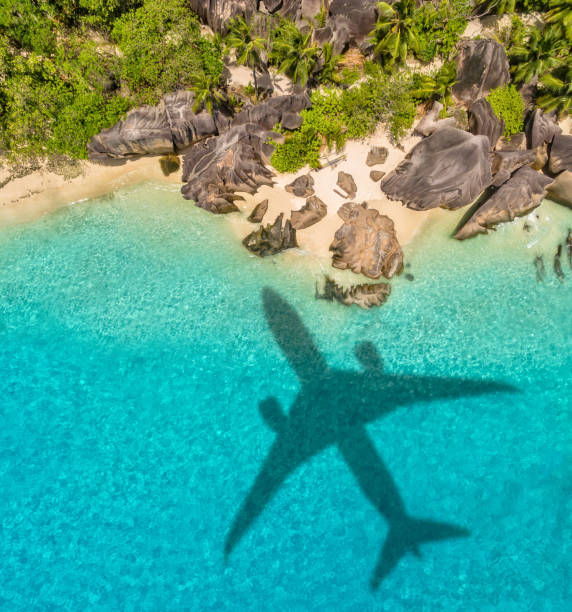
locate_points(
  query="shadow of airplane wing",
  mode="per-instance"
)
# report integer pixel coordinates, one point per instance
(280, 462)
(293, 337)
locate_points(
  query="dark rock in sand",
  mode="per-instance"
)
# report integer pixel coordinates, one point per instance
(366, 243)
(272, 238)
(214, 170)
(302, 187)
(541, 129)
(376, 155)
(450, 168)
(517, 197)
(169, 164)
(506, 162)
(431, 123)
(376, 175)
(313, 211)
(482, 65)
(258, 212)
(365, 295)
(561, 154)
(346, 183)
(484, 122)
(561, 189)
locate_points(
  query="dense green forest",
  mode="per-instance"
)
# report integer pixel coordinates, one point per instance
(69, 68)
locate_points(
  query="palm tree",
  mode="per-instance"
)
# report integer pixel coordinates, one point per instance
(437, 87)
(394, 33)
(560, 14)
(247, 46)
(558, 90)
(207, 93)
(488, 7)
(330, 62)
(538, 53)
(293, 52)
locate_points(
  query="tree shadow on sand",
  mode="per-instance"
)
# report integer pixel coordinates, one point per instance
(332, 409)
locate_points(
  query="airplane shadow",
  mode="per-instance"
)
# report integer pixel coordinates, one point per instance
(333, 408)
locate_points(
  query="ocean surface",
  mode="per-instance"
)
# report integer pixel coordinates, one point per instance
(184, 427)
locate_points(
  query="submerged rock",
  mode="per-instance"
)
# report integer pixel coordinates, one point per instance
(346, 183)
(272, 238)
(313, 211)
(558, 265)
(450, 168)
(376, 155)
(561, 189)
(366, 243)
(539, 266)
(561, 154)
(302, 187)
(482, 65)
(484, 122)
(541, 129)
(431, 123)
(365, 295)
(258, 212)
(517, 197)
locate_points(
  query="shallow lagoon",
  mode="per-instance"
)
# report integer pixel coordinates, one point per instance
(135, 350)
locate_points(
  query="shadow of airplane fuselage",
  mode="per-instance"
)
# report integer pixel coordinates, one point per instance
(333, 408)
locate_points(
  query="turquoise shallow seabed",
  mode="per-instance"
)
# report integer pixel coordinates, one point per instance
(134, 354)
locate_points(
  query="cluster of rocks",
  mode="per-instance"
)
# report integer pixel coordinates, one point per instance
(452, 168)
(364, 295)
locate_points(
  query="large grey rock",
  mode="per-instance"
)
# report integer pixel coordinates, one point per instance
(313, 211)
(346, 183)
(366, 243)
(541, 129)
(364, 295)
(517, 197)
(484, 122)
(506, 162)
(377, 155)
(482, 65)
(561, 189)
(168, 127)
(271, 239)
(215, 169)
(351, 22)
(301, 187)
(431, 123)
(560, 154)
(258, 212)
(217, 13)
(450, 168)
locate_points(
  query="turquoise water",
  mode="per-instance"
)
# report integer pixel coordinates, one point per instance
(135, 350)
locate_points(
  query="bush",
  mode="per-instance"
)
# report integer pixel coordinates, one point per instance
(508, 105)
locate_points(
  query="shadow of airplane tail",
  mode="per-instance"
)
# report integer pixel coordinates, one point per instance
(405, 537)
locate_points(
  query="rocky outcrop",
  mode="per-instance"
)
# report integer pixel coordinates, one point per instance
(431, 123)
(302, 187)
(366, 243)
(168, 127)
(350, 21)
(347, 184)
(517, 142)
(377, 155)
(365, 295)
(313, 211)
(272, 238)
(376, 175)
(217, 13)
(482, 65)
(506, 162)
(450, 168)
(560, 154)
(517, 197)
(561, 189)
(484, 122)
(541, 129)
(275, 110)
(258, 212)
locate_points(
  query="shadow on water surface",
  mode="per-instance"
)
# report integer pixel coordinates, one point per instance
(332, 408)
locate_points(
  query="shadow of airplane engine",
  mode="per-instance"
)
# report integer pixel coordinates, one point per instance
(333, 408)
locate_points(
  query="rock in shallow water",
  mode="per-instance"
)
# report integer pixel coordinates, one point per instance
(450, 168)
(517, 197)
(272, 238)
(313, 211)
(365, 295)
(366, 243)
